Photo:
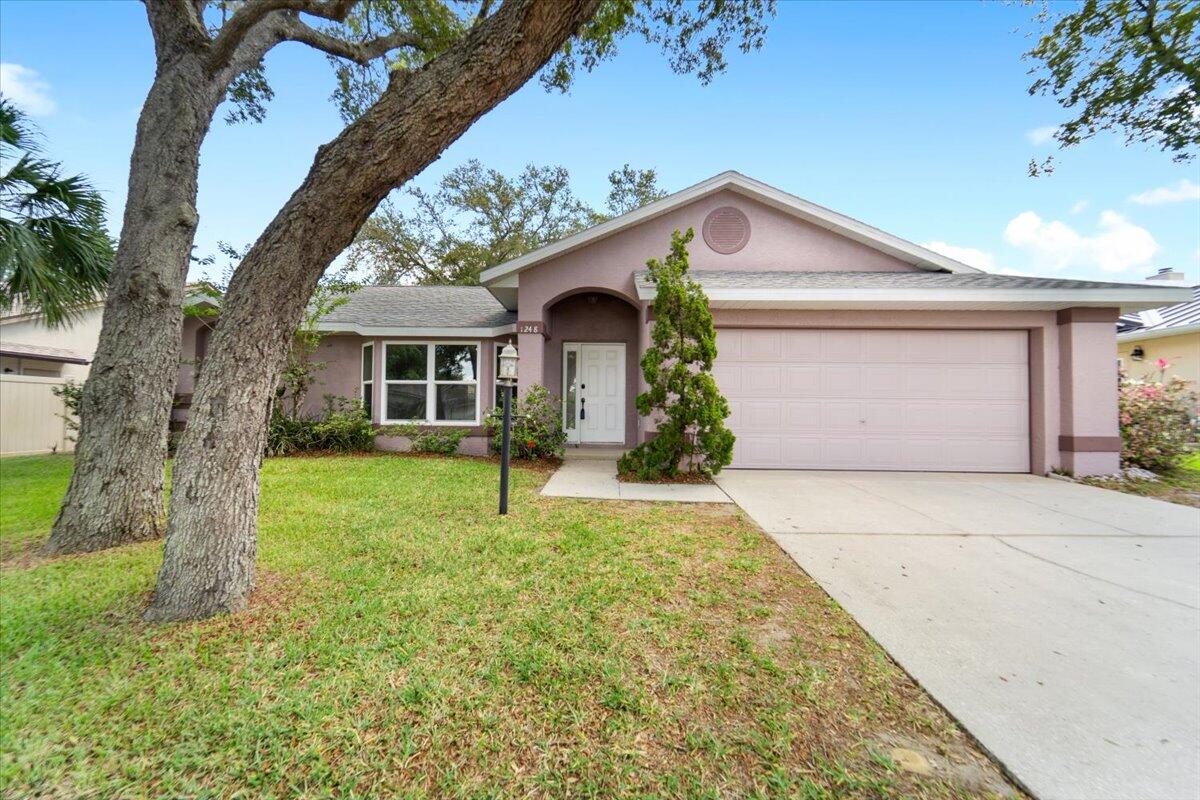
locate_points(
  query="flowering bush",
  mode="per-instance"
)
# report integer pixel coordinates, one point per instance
(537, 430)
(1156, 423)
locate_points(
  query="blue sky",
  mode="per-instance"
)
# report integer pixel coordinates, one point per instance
(913, 117)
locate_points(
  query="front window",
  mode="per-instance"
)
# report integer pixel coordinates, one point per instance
(431, 382)
(368, 380)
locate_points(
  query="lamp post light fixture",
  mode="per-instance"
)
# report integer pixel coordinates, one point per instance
(507, 378)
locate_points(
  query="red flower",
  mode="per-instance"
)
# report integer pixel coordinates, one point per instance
(531, 444)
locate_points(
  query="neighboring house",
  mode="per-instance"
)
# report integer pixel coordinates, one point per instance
(35, 359)
(840, 346)
(29, 347)
(1170, 333)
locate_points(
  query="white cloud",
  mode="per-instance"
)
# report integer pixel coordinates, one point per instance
(1078, 207)
(967, 255)
(1186, 190)
(25, 89)
(1117, 246)
(1042, 135)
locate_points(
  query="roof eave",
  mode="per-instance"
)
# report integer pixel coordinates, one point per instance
(59, 359)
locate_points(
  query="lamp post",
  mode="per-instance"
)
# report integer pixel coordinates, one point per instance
(507, 379)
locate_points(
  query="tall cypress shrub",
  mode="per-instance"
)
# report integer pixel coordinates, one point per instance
(683, 397)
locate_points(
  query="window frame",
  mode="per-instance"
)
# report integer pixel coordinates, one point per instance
(431, 383)
(367, 385)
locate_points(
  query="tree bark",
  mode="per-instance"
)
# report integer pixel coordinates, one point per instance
(116, 492)
(209, 560)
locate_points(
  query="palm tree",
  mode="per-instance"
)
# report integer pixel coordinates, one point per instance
(55, 255)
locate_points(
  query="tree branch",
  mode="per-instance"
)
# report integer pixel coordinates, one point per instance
(243, 23)
(1165, 53)
(292, 29)
(176, 26)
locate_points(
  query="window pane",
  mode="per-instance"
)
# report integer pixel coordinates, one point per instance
(405, 362)
(455, 362)
(368, 362)
(406, 400)
(368, 399)
(569, 400)
(456, 402)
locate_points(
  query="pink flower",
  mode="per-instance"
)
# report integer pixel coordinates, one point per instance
(1163, 363)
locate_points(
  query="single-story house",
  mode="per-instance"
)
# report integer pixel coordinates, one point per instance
(1170, 333)
(840, 346)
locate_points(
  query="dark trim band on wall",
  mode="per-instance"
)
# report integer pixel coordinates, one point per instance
(1086, 314)
(1090, 444)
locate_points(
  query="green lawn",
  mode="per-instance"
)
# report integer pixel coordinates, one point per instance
(406, 641)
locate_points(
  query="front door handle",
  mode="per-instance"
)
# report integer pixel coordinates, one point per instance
(583, 408)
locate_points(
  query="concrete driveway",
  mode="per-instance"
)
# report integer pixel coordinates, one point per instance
(1059, 623)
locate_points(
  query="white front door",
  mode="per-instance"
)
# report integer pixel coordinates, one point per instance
(594, 393)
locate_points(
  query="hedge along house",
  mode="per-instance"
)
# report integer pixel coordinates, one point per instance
(840, 346)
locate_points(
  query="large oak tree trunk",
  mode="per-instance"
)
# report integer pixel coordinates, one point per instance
(209, 560)
(116, 491)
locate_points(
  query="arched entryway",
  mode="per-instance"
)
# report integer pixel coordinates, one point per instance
(594, 335)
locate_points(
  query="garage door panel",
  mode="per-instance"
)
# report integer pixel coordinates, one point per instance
(762, 345)
(761, 379)
(841, 380)
(844, 415)
(802, 416)
(868, 399)
(801, 381)
(802, 346)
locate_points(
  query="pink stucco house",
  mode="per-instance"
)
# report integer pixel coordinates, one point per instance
(840, 346)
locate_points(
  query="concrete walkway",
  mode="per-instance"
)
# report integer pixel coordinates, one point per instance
(592, 473)
(1059, 623)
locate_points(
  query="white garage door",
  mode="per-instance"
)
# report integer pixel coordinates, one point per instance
(877, 399)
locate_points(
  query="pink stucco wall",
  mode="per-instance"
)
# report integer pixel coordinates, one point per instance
(1072, 411)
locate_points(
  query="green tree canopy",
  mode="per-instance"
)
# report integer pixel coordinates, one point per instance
(1128, 65)
(478, 217)
(55, 254)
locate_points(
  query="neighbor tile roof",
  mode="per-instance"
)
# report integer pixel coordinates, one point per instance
(732, 279)
(1161, 319)
(422, 307)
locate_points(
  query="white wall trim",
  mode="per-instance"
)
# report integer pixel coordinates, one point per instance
(1126, 299)
(431, 383)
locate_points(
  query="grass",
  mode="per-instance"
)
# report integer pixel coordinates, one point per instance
(406, 641)
(1180, 485)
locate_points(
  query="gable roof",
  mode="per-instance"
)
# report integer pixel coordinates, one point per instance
(420, 311)
(1155, 323)
(820, 216)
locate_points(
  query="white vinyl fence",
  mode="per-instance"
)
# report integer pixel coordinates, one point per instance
(31, 416)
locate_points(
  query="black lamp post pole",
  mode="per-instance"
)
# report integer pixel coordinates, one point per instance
(504, 447)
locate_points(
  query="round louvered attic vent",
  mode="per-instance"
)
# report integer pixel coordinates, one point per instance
(726, 230)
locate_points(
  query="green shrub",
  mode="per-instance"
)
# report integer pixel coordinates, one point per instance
(1156, 422)
(441, 441)
(72, 396)
(683, 396)
(341, 427)
(537, 430)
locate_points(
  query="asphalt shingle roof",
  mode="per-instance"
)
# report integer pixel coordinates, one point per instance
(19, 350)
(422, 307)
(714, 279)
